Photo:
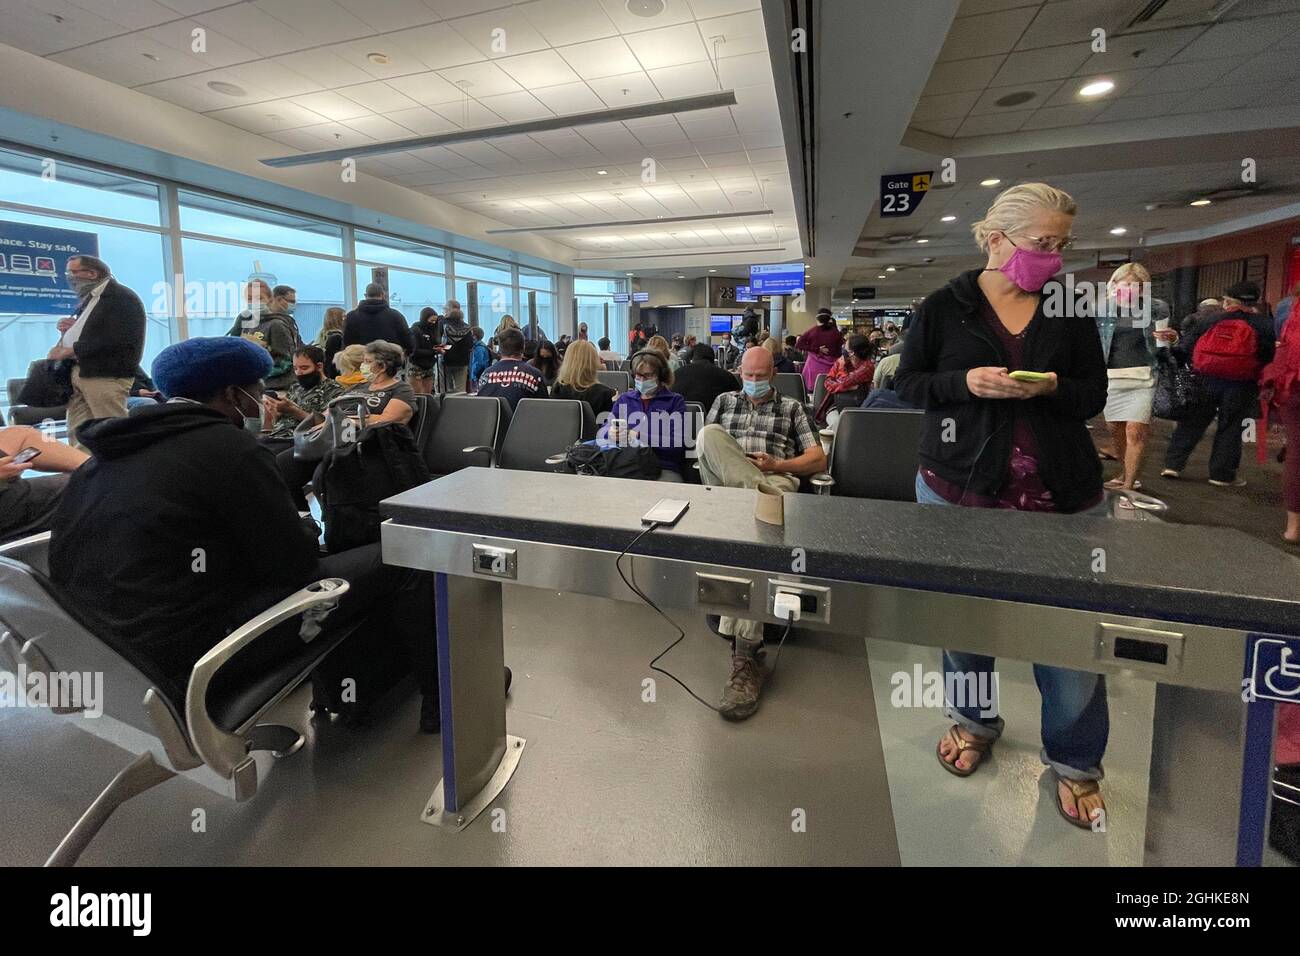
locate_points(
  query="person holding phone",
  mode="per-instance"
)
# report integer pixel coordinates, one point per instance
(28, 504)
(991, 441)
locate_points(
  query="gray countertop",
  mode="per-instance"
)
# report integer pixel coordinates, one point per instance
(1173, 572)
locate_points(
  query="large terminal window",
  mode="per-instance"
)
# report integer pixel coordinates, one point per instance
(592, 296)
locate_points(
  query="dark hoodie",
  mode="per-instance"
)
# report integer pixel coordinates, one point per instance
(947, 338)
(177, 531)
(373, 320)
(278, 334)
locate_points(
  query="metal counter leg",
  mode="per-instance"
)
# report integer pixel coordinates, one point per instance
(478, 756)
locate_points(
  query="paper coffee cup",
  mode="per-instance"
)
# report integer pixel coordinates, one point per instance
(1161, 325)
(827, 436)
(769, 503)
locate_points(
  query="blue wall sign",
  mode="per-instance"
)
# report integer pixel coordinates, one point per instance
(32, 262)
(778, 279)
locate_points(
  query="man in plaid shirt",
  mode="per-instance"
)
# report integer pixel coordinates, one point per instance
(754, 437)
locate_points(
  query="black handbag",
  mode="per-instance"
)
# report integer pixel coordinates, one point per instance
(311, 443)
(588, 458)
(1179, 390)
(48, 384)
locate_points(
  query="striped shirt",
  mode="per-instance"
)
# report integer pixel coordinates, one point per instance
(778, 427)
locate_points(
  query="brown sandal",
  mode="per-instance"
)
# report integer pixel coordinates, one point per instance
(1078, 788)
(981, 747)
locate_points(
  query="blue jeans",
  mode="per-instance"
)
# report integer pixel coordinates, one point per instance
(1075, 718)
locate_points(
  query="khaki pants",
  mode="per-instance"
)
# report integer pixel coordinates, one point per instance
(723, 462)
(456, 378)
(95, 398)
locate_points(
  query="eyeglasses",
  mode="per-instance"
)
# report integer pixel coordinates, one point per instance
(1048, 243)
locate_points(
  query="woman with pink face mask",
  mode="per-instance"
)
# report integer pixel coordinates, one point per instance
(992, 441)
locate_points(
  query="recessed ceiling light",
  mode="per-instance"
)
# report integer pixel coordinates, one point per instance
(713, 270)
(645, 8)
(948, 219)
(1015, 99)
(380, 58)
(1118, 231)
(1097, 88)
(891, 269)
(629, 275)
(990, 182)
(602, 172)
(922, 241)
(149, 56)
(882, 277)
(229, 89)
(1200, 202)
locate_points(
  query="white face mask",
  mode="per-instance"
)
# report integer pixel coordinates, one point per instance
(253, 424)
(367, 370)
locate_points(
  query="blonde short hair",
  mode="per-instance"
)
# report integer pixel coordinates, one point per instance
(348, 360)
(580, 365)
(1127, 273)
(1013, 207)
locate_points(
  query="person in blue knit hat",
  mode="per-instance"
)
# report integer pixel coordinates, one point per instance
(180, 529)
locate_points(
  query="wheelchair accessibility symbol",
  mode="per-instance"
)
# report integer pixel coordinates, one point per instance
(1275, 671)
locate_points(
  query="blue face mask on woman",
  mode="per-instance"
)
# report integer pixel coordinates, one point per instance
(647, 386)
(757, 389)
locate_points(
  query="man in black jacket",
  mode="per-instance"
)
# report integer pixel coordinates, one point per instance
(153, 546)
(700, 379)
(105, 340)
(373, 320)
(456, 342)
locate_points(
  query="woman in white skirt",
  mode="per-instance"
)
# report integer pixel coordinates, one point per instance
(1127, 326)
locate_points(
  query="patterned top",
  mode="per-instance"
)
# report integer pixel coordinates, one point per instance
(779, 426)
(312, 399)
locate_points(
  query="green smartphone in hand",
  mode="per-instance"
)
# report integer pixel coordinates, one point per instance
(1021, 375)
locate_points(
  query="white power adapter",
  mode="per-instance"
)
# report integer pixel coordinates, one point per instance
(786, 605)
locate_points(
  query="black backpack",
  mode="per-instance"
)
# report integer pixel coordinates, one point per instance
(588, 458)
(352, 479)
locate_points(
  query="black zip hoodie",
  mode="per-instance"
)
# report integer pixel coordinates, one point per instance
(178, 530)
(947, 338)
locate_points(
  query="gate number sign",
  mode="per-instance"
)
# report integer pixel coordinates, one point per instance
(901, 193)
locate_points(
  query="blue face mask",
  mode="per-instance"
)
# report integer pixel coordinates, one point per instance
(757, 389)
(647, 386)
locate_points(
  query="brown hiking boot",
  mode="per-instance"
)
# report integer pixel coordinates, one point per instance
(740, 696)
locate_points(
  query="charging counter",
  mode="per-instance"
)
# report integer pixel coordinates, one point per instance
(1212, 616)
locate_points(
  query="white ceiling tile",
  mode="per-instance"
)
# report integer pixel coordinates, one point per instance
(265, 117)
(985, 35)
(1144, 107)
(568, 21)
(948, 106)
(743, 33)
(218, 49)
(332, 106)
(1173, 77)
(564, 142)
(423, 121)
(401, 59)
(1151, 48)
(703, 9)
(31, 28)
(668, 46)
(484, 79)
(255, 29)
(325, 68)
(543, 68)
(943, 127)
(471, 115)
(189, 7)
(386, 15)
(722, 144)
(122, 60)
(1243, 38)
(993, 122)
(688, 79)
(269, 75)
(187, 92)
(379, 128)
(1076, 114)
(133, 15)
(449, 9)
(1068, 18)
(569, 98)
(299, 139)
(1221, 98)
(522, 148)
(959, 76)
(659, 133)
(675, 11)
(1263, 69)
(761, 138)
(627, 89)
(379, 97)
(336, 135)
(516, 107)
(970, 8)
(597, 58)
(436, 46)
(320, 21)
(426, 88)
(499, 33)
(742, 72)
(1034, 66)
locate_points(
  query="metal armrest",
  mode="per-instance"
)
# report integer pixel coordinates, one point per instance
(559, 459)
(491, 453)
(822, 481)
(224, 752)
(33, 551)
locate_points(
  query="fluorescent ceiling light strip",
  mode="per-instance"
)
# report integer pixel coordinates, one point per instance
(659, 254)
(632, 222)
(686, 104)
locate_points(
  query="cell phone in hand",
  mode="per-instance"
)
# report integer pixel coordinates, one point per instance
(26, 455)
(1023, 375)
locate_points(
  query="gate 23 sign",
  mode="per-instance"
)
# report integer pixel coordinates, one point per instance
(901, 193)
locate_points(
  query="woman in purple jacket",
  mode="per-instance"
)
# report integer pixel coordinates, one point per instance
(653, 413)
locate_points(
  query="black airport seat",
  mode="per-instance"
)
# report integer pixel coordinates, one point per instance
(874, 454)
(540, 430)
(464, 422)
(216, 723)
(819, 393)
(791, 385)
(33, 415)
(620, 382)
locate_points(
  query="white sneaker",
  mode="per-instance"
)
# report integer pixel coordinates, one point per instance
(1170, 473)
(1235, 483)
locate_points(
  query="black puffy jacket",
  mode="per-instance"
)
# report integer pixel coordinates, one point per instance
(947, 339)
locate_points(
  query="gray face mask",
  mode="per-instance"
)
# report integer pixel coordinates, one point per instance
(252, 425)
(81, 286)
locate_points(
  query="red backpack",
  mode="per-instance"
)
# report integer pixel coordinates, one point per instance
(1279, 383)
(1228, 349)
